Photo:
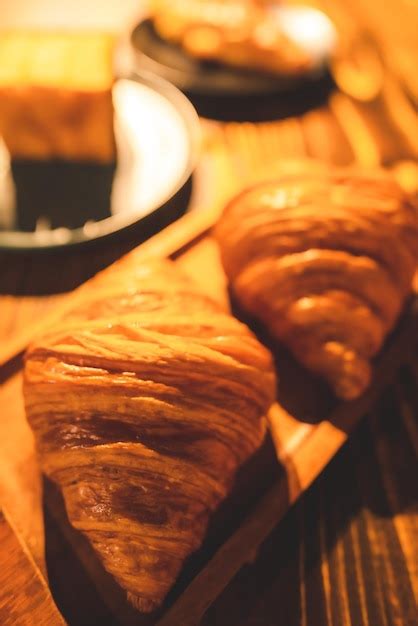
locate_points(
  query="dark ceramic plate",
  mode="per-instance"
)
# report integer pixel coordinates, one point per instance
(47, 204)
(227, 93)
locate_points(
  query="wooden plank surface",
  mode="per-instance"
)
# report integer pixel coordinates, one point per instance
(24, 596)
(20, 481)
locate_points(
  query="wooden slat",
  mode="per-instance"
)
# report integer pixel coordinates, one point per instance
(24, 596)
(20, 483)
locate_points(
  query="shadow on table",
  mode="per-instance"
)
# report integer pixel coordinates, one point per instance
(389, 478)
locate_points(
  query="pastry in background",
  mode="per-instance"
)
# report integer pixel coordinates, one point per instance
(144, 401)
(325, 258)
(239, 33)
(56, 95)
(56, 120)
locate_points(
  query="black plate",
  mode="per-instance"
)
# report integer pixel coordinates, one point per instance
(50, 204)
(226, 93)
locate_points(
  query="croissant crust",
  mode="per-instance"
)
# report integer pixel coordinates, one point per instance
(144, 400)
(325, 258)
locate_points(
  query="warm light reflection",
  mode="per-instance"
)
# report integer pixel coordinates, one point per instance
(154, 149)
(309, 28)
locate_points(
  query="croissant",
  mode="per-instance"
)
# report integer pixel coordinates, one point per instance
(144, 401)
(239, 33)
(325, 258)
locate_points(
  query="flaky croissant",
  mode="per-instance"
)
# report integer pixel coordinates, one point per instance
(240, 33)
(325, 258)
(144, 400)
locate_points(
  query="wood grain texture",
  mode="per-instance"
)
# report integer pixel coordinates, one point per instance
(24, 596)
(20, 481)
(346, 553)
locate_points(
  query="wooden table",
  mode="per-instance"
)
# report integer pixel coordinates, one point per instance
(347, 553)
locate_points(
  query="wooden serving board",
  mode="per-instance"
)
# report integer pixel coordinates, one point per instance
(24, 596)
(307, 428)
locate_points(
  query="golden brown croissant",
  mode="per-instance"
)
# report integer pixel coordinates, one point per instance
(241, 33)
(325, 259)
(144, 400)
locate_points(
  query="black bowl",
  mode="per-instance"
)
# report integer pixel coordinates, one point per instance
(49, 204)
(225, 93)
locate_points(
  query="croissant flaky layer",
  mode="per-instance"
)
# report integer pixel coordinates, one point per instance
(144, 400)
(325, 258)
